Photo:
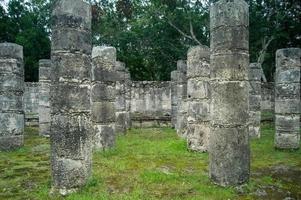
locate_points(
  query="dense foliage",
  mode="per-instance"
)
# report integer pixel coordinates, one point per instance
(151, 35)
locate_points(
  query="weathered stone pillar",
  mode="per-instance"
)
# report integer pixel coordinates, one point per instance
(44, 97)
(103, 96)
(122, 116)
(174, 98)
(229, 152)
(71, 132)
(11, 96)
(198, 97)
(287, 98)
(128, 87)
(182, 99)
(255, 99)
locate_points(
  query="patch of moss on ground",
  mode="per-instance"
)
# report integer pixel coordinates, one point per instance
(150, 164)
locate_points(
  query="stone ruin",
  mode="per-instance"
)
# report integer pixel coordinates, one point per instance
(287, 98)
(31, 103)
(150, 104)
(86, 97)
(229, 151)
(255, 99)
(103, 96)
(11, 96)
(71, 130)
(44, 97)
(123, 119)
(182, 106)
(198, 98)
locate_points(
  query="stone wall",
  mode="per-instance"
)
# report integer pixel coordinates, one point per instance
(31, 103)
(150, 103)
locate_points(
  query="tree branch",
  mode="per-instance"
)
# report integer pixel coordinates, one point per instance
(262, 53)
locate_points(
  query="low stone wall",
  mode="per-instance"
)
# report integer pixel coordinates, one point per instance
(150, 103)
(31, 104)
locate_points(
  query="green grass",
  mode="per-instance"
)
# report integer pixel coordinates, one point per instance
(147, 164)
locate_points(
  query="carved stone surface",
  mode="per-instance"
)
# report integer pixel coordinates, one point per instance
(31, 103)
(44, 97)
(103, 97)
(71, 131)
(255, 99)
(198, 98)
(287, 98)
(229, 151)
(11, 96)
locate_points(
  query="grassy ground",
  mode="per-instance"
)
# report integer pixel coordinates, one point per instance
(152, 164)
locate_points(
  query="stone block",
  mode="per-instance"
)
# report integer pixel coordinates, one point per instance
(227, 108)
(70, 67)
(10, 143)
(285, 140)
(11, 66)
(12, 124)
(233, 156)
(11, 102)
(287, 91)
(71, 40)
(103, 112)
(198, 89)
(70, 96)
(230, 67)
(103, 92)
(254, 102)
(104, 137)
(71, 136)
(287, 106)
(11, 50)
(198, 111)
(288, 123)
(198, 137)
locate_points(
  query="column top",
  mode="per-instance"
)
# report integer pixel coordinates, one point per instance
(11, 50)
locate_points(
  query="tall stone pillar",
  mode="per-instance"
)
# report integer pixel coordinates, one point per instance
(71, 132)
(198, 97)
(11, 96)
(255, 99)
(44, 97)
(174, 98)
(103, 96)
(229, 152)
(287, 98)
(128, 87)
(182, 108)
(122, 116)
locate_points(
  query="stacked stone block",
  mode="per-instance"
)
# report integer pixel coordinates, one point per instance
(103, 96)
(198, 97)
(287, 98)
(174, 98)
(31, 103)
(255, 99)
(128, 86)
(229, 152)
(122, 115)
(71, 134)
(11, 96)
(182, 105)
(44, 96)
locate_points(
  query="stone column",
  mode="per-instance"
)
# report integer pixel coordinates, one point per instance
(198, 97)
(287, 98)
(182, 108)
(122, 116)
(128, 86)
(255, 99)
(11, 96)
(71, 132)
(103, 96)
(229, 151)
(174, 98)
(44, 97)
